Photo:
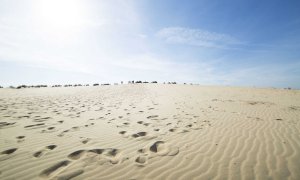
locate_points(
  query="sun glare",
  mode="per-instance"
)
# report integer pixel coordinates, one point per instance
(60, 15)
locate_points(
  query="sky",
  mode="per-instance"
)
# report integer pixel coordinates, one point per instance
(209, 42)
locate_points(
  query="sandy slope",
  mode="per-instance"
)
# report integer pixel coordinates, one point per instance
(149, 132)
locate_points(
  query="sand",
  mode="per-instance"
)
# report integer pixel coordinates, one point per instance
(149, 131)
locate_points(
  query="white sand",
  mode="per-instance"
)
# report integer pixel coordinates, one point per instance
(149, 132)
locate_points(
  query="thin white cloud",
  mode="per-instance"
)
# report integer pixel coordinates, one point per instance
(196, 37)
(275, 75)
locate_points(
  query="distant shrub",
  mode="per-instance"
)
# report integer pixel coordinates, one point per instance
(138, 82)
(39, 86)
(56, 86)
(21, 86)
(96, 84)
(75, 85)
(1, 87)
(154, 82)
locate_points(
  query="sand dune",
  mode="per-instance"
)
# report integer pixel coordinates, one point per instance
(150, 131)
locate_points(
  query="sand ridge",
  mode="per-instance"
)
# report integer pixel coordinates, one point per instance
(149, 131)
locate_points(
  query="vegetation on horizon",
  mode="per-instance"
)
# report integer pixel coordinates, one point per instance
(79, 85)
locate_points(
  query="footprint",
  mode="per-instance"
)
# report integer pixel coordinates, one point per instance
(75, 128)
(76, 154)
(85, 140)
(9, 151)
(156, 145)
(153, 116)
(49, 171)
(44, 151)
(70, 175)
(51, 147)
(97, 151)
(48, 130)
(141, 159)
(37, 154)
(172, 130)
(139, 134)
(103, 156)
(158, 148)
(190, 125)
(7, 154)
(141, 150)
(163, 149)
(122, 132)
(6, 124)
(41, 119)
(185, 130)
(35, 125)
(20, 138)
(142, 133)
(63, 133)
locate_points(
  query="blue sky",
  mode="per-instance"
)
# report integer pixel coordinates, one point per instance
(210, 42)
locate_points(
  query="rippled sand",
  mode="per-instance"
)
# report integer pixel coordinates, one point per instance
(151, 131)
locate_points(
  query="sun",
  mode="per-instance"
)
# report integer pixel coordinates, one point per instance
(60, 15)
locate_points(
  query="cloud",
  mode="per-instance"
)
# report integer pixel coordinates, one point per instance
(271, 75)
(196, 37)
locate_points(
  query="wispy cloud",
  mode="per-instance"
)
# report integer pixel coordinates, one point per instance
(275, 75)
(196, 37)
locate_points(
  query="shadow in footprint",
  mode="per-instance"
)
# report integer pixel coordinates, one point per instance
(9, 151)
(44, 151)
(47, 172)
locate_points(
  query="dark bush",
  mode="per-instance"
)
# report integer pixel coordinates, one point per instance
(21, 86)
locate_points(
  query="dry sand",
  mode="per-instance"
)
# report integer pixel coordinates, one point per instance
(150, 131)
